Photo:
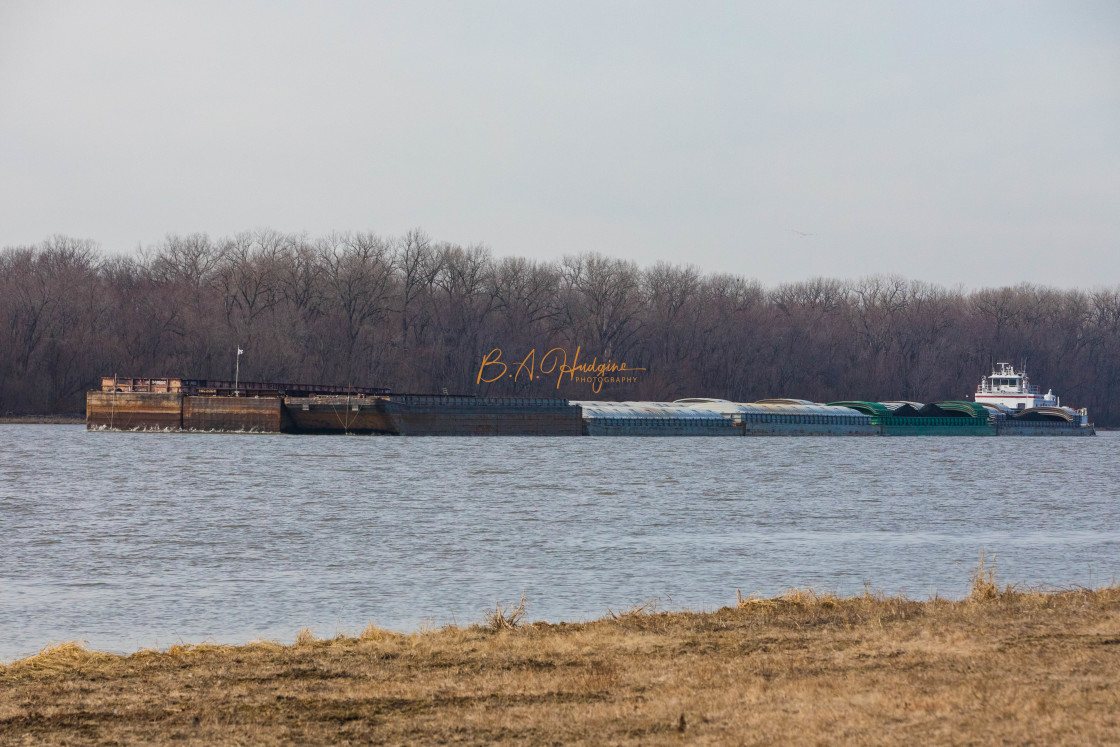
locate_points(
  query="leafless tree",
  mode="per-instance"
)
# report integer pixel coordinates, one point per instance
(418, 315)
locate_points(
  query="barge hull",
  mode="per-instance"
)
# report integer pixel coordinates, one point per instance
(338, 415)
(966, 430)
(234, 414)
(127, 411)
(1044, 429)
(809, 429)
(684, 428)
(422, 415)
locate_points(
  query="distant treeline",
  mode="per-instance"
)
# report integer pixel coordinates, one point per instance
(419, 315)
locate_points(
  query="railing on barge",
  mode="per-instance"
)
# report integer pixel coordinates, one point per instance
(225, 388)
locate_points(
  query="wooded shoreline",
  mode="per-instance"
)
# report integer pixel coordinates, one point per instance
(418, 315)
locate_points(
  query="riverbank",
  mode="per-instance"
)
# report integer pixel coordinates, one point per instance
(43, 420)
(1001, 666)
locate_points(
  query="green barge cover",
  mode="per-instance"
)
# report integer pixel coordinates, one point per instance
(938, 419)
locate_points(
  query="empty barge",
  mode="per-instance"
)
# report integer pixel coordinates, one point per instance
(267, 407)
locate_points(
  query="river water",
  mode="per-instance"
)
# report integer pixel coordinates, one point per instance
(135, 540)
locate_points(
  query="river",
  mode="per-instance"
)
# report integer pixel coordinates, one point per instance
(134, 540)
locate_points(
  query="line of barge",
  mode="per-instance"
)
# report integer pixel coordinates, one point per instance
(199, 405)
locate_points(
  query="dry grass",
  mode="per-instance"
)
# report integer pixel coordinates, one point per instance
(984, 587)
(506, 617)
(1003, 666)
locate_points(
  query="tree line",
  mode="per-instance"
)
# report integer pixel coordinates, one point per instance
(420, 315)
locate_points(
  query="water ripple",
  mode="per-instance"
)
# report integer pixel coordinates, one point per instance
(130, 540)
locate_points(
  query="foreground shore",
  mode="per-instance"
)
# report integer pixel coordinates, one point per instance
(1001, 666)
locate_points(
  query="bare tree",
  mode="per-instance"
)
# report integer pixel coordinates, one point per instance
(358, 277)
(418, 315)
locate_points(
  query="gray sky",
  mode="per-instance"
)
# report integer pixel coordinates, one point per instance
(957, 142)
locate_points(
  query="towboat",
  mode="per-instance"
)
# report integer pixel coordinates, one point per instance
(1009, 391)
(1013, 390)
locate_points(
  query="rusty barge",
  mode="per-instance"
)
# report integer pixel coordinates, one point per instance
(270, 407)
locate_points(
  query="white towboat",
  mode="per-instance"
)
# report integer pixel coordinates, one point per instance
(1010, 391)
(1013, 390)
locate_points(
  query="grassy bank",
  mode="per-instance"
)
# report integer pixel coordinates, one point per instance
(1002, 666)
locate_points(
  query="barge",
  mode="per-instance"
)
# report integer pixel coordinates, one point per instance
(999, 409)
(254, 407)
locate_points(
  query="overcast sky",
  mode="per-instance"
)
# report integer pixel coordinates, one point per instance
(958, 142)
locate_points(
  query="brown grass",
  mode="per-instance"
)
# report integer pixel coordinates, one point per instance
(506, 617)
(1002, 666)
(984, 587)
